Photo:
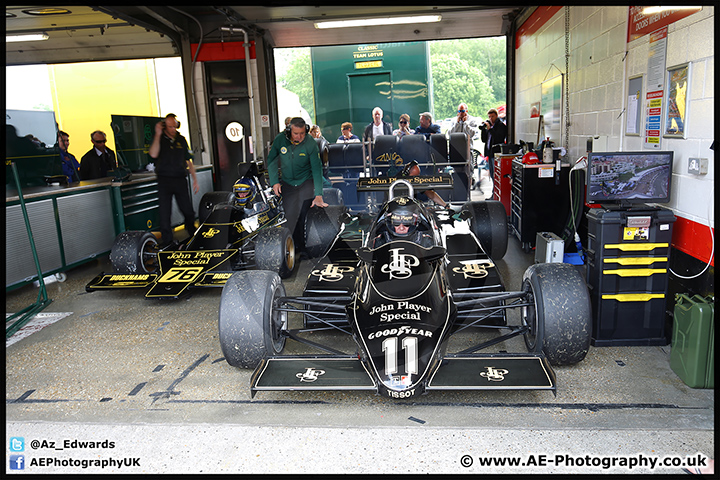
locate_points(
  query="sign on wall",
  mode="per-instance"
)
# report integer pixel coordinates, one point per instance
(678, 92)
(642, 22)
(655, 88)
(551, 107)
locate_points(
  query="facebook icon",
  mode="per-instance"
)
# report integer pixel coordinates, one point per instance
(17, 462)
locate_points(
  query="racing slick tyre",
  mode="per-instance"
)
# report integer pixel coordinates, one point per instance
(488, 221)
(321, 227)
(134, 251)
(208, 202)
(333, 196)
(560, 315)
(250, 328)
(275, 251)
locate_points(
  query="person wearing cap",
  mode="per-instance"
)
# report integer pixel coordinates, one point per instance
(427, 127)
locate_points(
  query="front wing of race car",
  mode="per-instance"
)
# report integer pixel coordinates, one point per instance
(179, 269)
(489, 371)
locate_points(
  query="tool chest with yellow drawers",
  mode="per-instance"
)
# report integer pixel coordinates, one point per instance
(627, 274)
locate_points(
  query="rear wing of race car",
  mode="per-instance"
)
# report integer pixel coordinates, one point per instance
(419, 182)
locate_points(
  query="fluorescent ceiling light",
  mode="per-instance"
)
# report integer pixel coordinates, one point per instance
(373, 22)
(33, 37)
(654, 10)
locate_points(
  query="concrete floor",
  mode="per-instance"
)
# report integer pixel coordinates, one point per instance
(149, 378)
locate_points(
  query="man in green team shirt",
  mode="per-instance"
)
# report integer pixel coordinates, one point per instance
(295, 172)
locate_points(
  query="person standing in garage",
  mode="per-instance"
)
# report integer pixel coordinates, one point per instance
(173, 160)
(295, 172)
(70, 165)
(99, 160)
(494, 132)
(377, 127)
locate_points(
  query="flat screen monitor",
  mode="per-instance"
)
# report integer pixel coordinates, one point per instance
(133, 137)
(629, 177)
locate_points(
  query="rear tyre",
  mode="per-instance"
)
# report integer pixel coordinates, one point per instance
(321, 227)
(134, 251)
(560, 315)
(333, 196)
(249, 325)
(275, 251)
(488, 221)
(208, 202)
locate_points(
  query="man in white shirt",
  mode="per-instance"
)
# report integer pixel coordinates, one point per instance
(377, 127)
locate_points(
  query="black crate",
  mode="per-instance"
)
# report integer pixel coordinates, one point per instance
(622, 321)
(627, 261)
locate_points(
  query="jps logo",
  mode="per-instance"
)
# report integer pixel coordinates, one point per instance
(332, 273)
(310, 375)
(494, 374)
(400, 265)
(210, 232)
(474, 268)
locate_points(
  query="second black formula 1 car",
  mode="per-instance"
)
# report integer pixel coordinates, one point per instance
(402, 282)
(238, 230)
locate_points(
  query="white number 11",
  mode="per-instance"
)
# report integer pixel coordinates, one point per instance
(390, 347)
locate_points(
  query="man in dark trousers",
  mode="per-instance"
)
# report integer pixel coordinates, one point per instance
(99, 160)
(296, 155)
(494, 132)
(173, 160)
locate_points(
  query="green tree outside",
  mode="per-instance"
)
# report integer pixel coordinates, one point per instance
(455, 82)
(294, 72)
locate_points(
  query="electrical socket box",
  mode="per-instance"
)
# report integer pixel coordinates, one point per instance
(697, 166)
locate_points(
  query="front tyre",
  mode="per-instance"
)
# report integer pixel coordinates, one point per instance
(559, 317)
(250, 327)
(275, 251)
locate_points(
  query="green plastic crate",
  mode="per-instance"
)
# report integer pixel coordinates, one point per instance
(692, 355)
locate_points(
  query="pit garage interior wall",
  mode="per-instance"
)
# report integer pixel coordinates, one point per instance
(598, 71)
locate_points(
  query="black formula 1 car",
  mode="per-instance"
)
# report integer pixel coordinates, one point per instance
(234, 234)
(401, 294)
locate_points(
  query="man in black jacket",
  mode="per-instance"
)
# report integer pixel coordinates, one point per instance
(494, 132)
(377, 127)
(173, 160)
(100, 160)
